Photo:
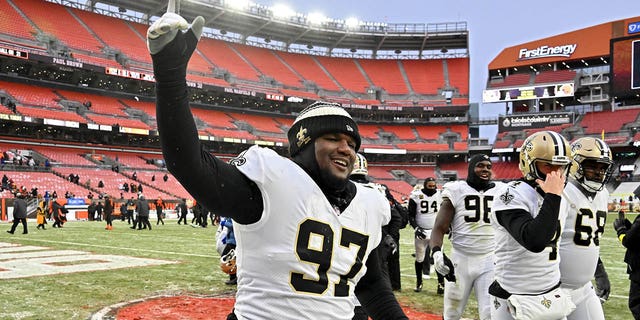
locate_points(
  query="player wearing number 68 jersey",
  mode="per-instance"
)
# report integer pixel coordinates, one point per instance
(587, 199)
(465, 209)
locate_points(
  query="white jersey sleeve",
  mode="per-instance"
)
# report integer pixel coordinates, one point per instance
(517, 269)
(426, 208)
(303, 258)
(580, 241)
(471, 231)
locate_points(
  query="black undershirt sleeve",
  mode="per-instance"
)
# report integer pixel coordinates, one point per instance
(219, 186)
(532, 233)
(412, 213)
(374, 292)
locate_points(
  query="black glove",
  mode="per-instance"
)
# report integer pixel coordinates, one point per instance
(443, 265)
(621, 226)
(603, 286)
(421, 233)
(390, 244)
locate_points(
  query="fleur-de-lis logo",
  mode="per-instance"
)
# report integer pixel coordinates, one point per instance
(496, 303)
(506, 197)
(302, 137)
(546, 302)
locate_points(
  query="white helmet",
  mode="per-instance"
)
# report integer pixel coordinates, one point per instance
(588, 149)
(360, 167)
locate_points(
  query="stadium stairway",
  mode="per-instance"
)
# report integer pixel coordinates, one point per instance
(405, 77)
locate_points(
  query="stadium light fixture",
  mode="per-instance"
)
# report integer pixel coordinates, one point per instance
(237, 4)
(282, 11)
(316, 18)
(352, 23)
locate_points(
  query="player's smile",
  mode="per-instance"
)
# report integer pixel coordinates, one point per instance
(336, 154)
(483, 170)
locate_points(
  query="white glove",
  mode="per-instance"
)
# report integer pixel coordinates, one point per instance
(438, 263)
(164, 30)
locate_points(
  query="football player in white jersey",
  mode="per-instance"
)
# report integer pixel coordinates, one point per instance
(424, 204)
(465, 209)
(305, 234)
(388, 246)
(528, 216)
(587, 197)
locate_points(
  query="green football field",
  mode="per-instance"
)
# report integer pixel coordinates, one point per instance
(87, 268)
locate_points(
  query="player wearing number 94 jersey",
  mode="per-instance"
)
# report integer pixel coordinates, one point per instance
(580, 241)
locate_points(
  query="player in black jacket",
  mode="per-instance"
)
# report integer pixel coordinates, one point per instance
(629, 236)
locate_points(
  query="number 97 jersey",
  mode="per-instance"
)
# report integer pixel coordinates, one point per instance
(580, 241)
(303, 258)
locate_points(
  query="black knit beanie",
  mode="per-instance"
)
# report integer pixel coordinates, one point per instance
(317, 119)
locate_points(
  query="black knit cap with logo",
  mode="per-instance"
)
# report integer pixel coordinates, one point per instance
(317, 119)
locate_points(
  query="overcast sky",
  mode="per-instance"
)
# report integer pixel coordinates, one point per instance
(493, 24)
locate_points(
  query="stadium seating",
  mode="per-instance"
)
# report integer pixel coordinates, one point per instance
(224, 133)
(369, 131)
(425, 76)
(402, 132)
(421, 172)
(307, 67)
(117, 34)
(506, 170)
(112, 181)
(226, 58)
(99, 103)
(47, 16)
(30, 95)
(459, 167)
(269, 64)
(12, 23)
(50, 114)
(46, 181)
(260, 123)
(607, 121)
(514, 80)
(64, 156)
(213, 118)
(555, 76)
(346, 72)
(171, 186)
(385, 74)
(459, 74)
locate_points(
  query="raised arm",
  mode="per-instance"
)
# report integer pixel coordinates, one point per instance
(218, 185)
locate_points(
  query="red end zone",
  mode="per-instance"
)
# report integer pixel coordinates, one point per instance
(194, 308)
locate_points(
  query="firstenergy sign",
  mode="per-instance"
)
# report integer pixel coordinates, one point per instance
(547, 51)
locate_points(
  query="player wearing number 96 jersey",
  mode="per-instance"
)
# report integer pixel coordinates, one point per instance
(527, 216)
(580, 241)
(465, 209)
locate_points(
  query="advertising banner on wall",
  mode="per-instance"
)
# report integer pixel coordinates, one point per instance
(533, 121)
